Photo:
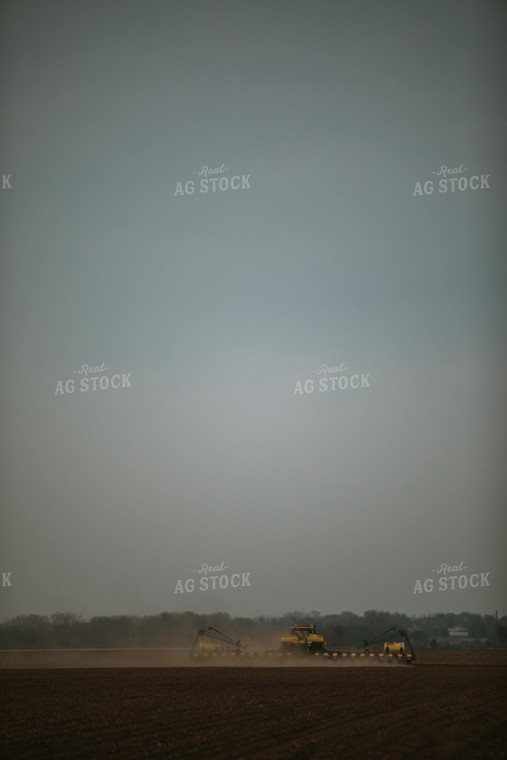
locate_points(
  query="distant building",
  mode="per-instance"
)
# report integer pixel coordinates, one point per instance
(458, 632)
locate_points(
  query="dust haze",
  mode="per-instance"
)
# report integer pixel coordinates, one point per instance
(172, 658)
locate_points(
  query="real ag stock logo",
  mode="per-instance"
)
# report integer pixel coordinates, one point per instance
(212, 578)
(6, 580)
(451, 179)
(209, 179)
(5, 181)
(93, 378)
(332, 378)
(451, 578)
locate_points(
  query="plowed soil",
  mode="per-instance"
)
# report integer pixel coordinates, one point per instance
(445, 705)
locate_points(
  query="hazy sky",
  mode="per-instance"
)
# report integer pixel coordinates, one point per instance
(323, 245)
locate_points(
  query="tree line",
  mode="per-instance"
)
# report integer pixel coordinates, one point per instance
(65, 630)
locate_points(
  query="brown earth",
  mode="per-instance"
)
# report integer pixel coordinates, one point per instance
(448, 704)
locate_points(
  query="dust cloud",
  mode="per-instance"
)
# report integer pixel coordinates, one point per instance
(175, 658)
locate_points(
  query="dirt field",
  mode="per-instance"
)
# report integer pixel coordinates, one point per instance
(446, 705)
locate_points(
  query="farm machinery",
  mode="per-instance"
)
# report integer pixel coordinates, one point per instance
(394, 648)
(211, 643)
(303, 641)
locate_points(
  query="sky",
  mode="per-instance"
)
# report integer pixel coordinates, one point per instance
(271, 236)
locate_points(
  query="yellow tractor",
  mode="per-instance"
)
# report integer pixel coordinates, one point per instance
(302, 640)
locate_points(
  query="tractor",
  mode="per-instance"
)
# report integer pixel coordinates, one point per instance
(302, 640)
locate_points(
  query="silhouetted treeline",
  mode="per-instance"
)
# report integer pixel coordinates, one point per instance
(176, 629)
